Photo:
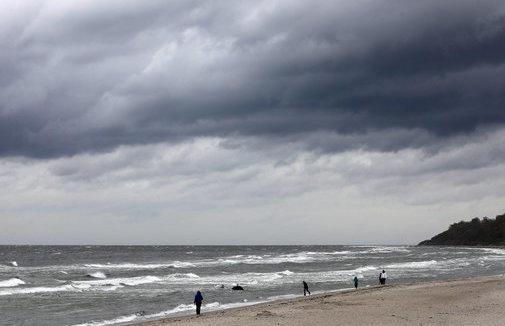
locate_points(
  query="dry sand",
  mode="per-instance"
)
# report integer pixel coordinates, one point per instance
(476, 301)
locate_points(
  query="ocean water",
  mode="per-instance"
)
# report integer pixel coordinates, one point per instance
(109, 285)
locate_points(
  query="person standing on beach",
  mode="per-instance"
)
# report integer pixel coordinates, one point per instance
(198, 301)
(355, 282)
(305, 288)
(382, 277)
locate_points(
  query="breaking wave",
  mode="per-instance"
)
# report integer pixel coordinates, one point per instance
(175, 264)
(129, 281)
(97, 275)
(11, 282)
(414, 264)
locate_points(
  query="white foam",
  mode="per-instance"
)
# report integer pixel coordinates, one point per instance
(119, 320)
(414, 264)
(191, 275)
(495, 251)
(97, 275)
(11, 282)
(386, 249)
(14, 263)
(131, 281)
(287, 272)
(365, 269)
(175, 264)
(40, 289)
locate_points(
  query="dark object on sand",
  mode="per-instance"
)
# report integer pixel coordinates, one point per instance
(305, 288)
(355, 282)
(198, 301)
(237, 288)
(477, 232)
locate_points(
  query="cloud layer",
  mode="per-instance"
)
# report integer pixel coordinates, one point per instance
(90, 76)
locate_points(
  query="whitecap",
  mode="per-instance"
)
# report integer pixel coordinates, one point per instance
(414, 264)
(495, 251)
(119, 320)
(365, 269)
(97, 275)
(175, 264)
(41, 289)
(130, 281)
(286, 272)
(11, 282)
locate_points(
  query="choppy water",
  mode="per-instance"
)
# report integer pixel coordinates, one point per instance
(105, 285)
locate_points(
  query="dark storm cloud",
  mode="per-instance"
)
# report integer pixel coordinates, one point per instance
(89, 76)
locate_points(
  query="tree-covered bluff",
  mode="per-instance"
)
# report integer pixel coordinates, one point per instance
(477, 232)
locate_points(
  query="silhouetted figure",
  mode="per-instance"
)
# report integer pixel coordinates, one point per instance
(198, 301)
(305, 288)
(237, 288)
(355, 282)
(383, 277)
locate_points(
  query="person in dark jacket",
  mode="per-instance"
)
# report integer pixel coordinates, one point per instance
(305, 288)
(198, 301)
(355, 282)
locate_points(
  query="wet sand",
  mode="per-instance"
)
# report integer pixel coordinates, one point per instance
(476, 301)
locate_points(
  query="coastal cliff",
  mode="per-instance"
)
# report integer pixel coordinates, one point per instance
(477, 232)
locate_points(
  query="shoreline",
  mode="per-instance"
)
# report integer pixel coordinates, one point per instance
(416, 302)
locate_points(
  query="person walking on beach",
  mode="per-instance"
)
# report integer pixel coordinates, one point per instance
(305, 288)
(355, 281)
(198, 301)
(382, 277)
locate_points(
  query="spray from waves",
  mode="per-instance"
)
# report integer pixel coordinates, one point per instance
(11, 282)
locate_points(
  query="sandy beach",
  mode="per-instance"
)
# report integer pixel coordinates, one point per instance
(475, 301)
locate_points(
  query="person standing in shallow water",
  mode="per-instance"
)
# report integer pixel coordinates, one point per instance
(305, 288)
(198, 301)
(355, 282)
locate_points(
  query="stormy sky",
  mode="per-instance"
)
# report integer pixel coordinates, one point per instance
(249, 122)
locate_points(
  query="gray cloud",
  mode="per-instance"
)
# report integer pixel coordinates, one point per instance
(213, 186)
(90, 76)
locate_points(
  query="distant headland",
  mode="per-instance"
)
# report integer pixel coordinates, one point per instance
(477, 232)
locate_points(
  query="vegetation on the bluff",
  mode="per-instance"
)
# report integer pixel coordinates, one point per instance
(477, 232)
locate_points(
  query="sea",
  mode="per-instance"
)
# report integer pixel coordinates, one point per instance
(118, 285)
